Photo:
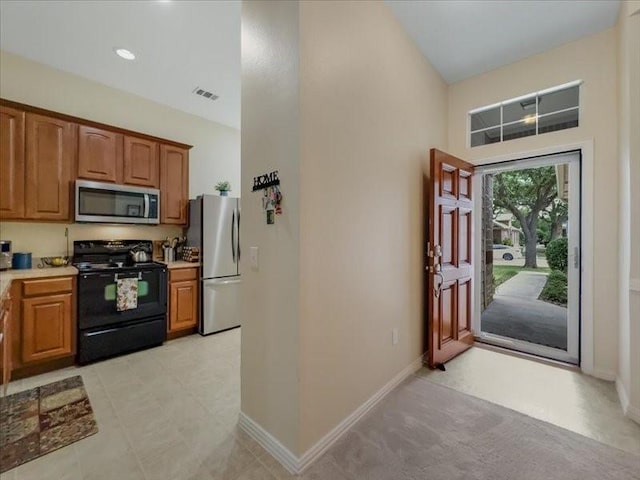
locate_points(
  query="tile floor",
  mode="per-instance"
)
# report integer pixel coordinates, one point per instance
(171, 412)
(164, 413)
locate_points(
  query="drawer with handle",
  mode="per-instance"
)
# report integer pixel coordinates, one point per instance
(47, 286)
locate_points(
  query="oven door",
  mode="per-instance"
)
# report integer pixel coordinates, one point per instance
(97, 297)
(109, 203)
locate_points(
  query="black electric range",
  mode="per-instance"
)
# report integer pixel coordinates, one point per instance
(103, 330)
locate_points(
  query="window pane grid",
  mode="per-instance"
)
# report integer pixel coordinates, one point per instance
(567, 96)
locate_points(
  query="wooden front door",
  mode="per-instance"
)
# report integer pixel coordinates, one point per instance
(450, 267)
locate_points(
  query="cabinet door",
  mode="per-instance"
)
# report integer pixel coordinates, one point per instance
(11, 163)
(174, 185)
(5, 345)
(141, 162)
(47, 324)
(183, 305)
(99, 154)
(50, 156)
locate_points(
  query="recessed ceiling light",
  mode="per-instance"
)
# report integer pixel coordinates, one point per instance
(124, 53)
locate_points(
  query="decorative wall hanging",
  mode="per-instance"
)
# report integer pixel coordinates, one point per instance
(272, 197)
(267, 180)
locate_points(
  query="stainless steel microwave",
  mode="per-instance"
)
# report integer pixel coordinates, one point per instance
(109, 203)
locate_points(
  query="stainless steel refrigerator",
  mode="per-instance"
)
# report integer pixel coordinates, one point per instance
(214, 227)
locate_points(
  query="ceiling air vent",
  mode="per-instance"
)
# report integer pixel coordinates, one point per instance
(205, 94)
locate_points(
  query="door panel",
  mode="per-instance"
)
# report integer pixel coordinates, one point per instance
(464, 305)
(141, 162)
(465, 241)
(99, 154)
(11, 163)
(174, 185)
(447, 310)
(219, 215)
(183, 305)
(49, 162)
(220, 301)
(449, 256)
(447, 235)
(47, 325)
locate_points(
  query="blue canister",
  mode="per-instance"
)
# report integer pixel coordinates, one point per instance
(21, 261)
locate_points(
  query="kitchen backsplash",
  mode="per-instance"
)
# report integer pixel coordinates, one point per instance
(48, 239)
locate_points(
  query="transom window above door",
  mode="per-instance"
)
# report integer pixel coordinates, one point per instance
(546, 111)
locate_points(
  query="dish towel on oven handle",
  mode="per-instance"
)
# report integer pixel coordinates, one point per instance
(126, 294)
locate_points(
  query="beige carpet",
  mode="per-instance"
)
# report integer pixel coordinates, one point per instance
(424, 431)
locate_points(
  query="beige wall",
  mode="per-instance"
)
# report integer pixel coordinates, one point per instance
(593, 60)
(629, 207)
(351, 119)
(215, 154)
(372, 107)
(48, 239)
(270, 295)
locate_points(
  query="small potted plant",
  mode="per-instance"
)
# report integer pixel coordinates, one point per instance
(223, 187)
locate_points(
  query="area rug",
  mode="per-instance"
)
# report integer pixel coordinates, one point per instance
(424, 431)
(43, 419)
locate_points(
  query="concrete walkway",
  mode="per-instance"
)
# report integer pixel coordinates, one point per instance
(517, 313)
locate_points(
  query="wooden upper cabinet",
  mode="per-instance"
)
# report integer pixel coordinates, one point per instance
(50, 157)
(11, 163)
(141, 162)
(99, 154)
(174, 184)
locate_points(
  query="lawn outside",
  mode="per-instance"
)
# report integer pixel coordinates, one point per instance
(502, 273)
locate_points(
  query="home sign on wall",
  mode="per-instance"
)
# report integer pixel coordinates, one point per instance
(269, 183)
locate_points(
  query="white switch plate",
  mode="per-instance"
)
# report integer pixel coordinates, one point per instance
(253, 257)
(394, 336)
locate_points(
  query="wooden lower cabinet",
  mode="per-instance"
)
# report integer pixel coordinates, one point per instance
(44, 320)
(183, 299)
(46, 323)
(5, 342)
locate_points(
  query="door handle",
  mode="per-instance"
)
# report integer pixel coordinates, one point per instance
(238, 233)
(146, 206)
(233, 236)
(222, 282)
(437, 289)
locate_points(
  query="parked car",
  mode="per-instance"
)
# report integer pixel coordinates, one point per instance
(505, 252)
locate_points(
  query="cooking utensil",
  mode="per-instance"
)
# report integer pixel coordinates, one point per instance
(21, 261)
(169, 254)
(139, 256)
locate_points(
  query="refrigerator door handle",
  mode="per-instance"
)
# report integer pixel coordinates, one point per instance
(233, 236)
(238, 234)
(222, 282)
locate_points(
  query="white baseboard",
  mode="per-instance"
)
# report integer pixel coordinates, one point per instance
(633, 413)
(622, 395)
(330, 438)
(269, 443)
(607, 375)
(629, 410)
(297, 465)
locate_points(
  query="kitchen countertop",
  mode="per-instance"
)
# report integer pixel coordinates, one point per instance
(180, 264)
(7, 276)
